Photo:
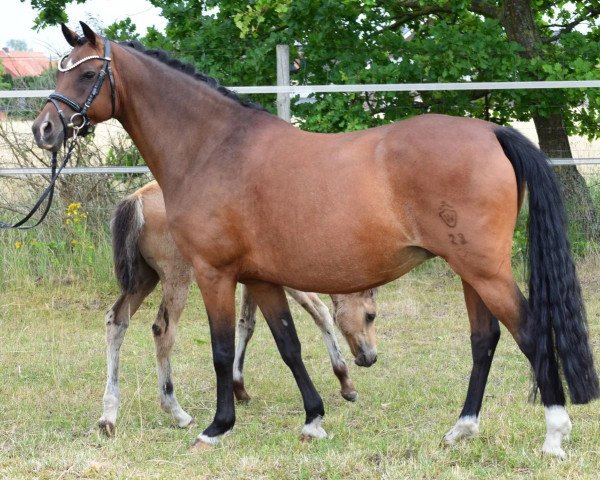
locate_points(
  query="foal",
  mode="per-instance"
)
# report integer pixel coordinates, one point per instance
(145, 253)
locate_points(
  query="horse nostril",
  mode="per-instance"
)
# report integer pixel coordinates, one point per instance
(370, 317)
(46, 128)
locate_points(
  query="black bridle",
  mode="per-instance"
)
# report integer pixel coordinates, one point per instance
(79, 122)
(84, 125)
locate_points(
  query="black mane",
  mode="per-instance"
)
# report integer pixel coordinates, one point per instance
(190, 70)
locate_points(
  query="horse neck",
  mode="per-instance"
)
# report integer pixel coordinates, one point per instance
(172, 118)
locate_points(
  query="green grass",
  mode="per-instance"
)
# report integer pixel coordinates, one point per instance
(52, 364)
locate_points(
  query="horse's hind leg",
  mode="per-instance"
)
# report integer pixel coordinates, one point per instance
(505, 301)
(485, 333)
(245, 330)
(273, 303)
(164, 329)
(117, 321)
(321, 316)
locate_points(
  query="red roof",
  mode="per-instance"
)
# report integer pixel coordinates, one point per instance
(24, 64)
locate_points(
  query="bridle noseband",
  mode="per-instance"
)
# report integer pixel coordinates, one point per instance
(79, 121)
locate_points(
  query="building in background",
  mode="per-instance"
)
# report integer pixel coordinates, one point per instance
(24, 64)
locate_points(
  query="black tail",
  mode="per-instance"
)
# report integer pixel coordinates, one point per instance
(126, 226)
(554, 292)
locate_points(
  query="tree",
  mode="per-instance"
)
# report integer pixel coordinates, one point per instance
(385, 41)
(17, 45)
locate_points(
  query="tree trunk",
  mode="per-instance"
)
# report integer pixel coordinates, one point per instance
(518, 22)
(581, 211)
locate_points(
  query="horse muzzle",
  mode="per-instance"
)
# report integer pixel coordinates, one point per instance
(47, 135)
(366, 358)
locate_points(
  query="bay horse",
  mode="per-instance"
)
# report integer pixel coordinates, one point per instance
(247, 195)
(144, 254)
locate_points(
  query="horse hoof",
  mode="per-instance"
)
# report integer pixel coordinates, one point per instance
(313, 430)
(242, 396)
(187, 423)
(107, 428)
(554, 451)
(465, 428)
(351, 396)
(199, 445)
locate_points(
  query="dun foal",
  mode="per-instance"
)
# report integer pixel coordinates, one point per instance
(144, 253)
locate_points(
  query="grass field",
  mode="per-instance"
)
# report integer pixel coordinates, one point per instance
(52, 364)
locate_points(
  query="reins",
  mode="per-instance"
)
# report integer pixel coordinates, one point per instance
(80, 128)
(47, 193)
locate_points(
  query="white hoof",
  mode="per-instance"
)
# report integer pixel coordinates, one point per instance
(314, 429)
(553, 450)
(205, 440)
(465, 427)
(558, 428)
(184, 420)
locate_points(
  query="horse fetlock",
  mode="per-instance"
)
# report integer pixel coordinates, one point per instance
(558, 428)
(465, 428)
(313, 429)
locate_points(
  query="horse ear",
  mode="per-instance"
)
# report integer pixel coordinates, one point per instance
(70, 36)
(89, 33)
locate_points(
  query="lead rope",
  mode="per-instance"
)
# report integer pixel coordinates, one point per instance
(48, 192)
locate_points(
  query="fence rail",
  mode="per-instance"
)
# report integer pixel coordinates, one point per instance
(386, 87)
(311, 89)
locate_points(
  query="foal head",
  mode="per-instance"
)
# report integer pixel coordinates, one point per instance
(354, 314)
(84, 92)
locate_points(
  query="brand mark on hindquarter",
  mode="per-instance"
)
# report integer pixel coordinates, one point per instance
(448, 214)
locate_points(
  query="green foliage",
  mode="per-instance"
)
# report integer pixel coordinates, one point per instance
(383, 41)
(4, 79)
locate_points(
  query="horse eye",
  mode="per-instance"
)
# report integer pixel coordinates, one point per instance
(89, 74)
(370, 317)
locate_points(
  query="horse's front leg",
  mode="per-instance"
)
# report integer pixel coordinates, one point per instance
(218, 293)
(272, 301)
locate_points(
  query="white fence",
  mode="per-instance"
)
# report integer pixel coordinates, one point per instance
(304, 90)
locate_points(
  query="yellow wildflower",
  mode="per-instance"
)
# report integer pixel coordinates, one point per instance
(18, 244)
(73, 209)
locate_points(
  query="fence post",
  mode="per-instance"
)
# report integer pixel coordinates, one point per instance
(283, 79)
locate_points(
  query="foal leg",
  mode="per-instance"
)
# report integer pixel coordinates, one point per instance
(485, 333)
(117, 321)
(322, 318)
(273, 303)
(245, 330)
(164, 329)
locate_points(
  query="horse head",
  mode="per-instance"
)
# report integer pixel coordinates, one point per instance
(354, 314)
(82, 97)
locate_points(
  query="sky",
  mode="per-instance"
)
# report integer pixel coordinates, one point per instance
(16, 21)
